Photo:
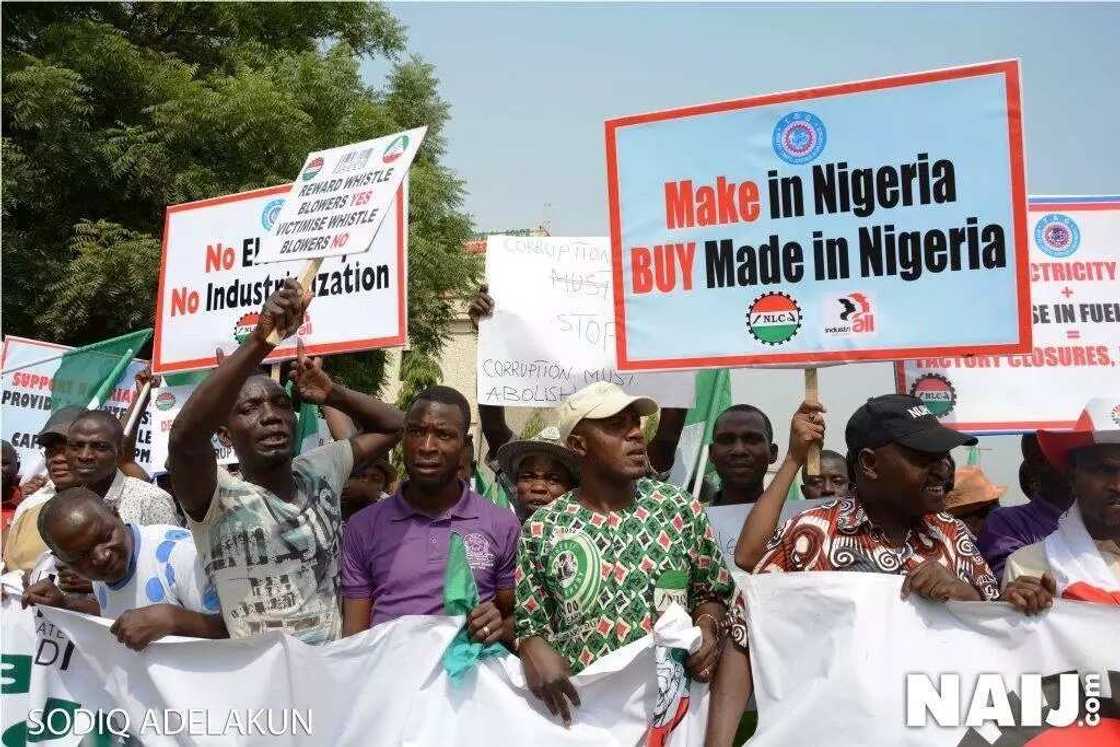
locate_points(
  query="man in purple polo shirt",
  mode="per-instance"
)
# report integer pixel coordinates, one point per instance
(1011, 527)
(395, 551)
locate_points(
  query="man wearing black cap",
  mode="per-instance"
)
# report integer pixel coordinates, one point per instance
(23, 545)
(898, 456)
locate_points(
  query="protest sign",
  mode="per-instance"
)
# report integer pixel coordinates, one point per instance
(1075, 290)
(875, 220)
(385, 686)
(340, 199)
(838, 659)
(552, 331)
(212, 285)
(26, 400)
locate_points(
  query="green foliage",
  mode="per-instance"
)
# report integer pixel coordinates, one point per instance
(112, 111)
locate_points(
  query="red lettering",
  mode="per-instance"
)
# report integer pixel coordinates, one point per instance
(749, 207)
(218, 257)
(685, 254)
(183, 301)
(663, 262)
(678, 204)
(640, 273)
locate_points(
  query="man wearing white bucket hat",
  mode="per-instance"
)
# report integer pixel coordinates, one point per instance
(1081, 559)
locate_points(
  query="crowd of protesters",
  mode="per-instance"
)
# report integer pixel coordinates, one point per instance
(329, 543)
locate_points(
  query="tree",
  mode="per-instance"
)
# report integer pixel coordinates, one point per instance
(114, 110)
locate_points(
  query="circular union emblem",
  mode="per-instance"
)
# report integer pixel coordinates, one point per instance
(575, 563)
(773, 318)
(271, 212)
(936, 392)
(165, 401)
(313, 168)
(245, 326)
(1057, 235)
(1116, 414)
(799, 137)
(395, 149)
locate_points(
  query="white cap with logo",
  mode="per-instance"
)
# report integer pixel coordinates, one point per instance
(597, 401)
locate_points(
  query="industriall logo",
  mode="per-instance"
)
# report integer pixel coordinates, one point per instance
(937, 392)
(245, 326)
(396, 149)
(1057, 235)
(313, 168)
(774, 318)
(799, 137)
(850, 315)
(165, 401)
(271, 212)
(1116, 414)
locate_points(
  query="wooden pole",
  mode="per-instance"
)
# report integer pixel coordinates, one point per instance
(812, 396)
(274, 372)
(305, 283)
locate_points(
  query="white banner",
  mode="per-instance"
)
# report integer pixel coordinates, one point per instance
(44, 682)
(383, 687)
(552, 332)
(212, 284)
(26, 400)
(1075, 291)
(340, 199)
(838, 659)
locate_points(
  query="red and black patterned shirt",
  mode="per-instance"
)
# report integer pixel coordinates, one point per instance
(839, 536)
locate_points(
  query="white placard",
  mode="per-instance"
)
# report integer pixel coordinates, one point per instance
(1075, 291)
(552, 332)
(26, 400)
(212, 285)
(340, 199)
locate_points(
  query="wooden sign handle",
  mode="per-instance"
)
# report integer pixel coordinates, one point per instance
(812, 396)
(305, 283)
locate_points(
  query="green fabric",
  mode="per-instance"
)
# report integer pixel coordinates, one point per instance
(491, 490)
(90, 372)
(713, 396)
(194, 378)
(307, 421)
(460, 596)
(973, 456)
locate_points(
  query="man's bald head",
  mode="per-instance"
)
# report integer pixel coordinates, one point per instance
(86, 534)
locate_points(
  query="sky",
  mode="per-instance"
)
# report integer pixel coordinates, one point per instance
(531, 84)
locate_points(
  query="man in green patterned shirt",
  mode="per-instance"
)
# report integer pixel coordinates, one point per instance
(598, 565)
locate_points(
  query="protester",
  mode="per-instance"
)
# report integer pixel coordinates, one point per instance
(1011, 527)
(731, 687)
(973, 498)
(147, 578)
(366, 486)
(396, 551)
(12, 495)
(1081, 559)
(898, 454)
(651, 534)
(832, 482)
(269, 539)
(467, 459)
(23, 546)
(742, 448)
(93, 451)
(542, 470)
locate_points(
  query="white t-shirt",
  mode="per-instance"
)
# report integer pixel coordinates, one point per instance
(164, 569)
(274, 562)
